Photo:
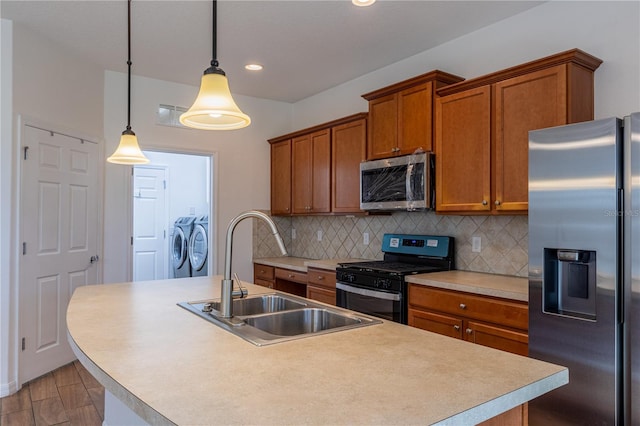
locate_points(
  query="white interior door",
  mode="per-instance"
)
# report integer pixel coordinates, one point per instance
(150, 222)
(59, 230)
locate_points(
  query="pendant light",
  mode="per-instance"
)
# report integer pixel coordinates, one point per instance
(128, 151)
(214, 108)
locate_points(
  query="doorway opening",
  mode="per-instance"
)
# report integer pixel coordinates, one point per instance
(172, 213)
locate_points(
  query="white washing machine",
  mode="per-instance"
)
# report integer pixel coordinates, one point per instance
(199, 247)
(182, 230)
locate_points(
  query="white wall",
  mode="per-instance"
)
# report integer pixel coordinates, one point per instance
(608, 30)
(40, 81)
(7, 294)
(241, 179)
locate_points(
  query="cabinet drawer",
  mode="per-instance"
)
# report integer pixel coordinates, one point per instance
(499, 311)
(289, 275)
(263, 283)
(322, 278)
(436, 323)
(321, 294)
(262, 272)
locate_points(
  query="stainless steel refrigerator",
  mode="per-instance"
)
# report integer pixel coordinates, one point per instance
(584, 269)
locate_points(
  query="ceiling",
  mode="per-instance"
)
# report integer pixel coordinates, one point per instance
(305, 46)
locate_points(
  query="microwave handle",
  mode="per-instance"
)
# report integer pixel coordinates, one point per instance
(371, 293)
(408, 180)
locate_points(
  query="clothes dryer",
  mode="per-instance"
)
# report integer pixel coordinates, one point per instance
(182, 230)
(199, 247)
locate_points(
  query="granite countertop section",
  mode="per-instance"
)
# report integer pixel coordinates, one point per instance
(389, 373)
(506, 287)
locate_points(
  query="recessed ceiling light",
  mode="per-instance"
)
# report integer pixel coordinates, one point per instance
(363, 2)
(253, 67)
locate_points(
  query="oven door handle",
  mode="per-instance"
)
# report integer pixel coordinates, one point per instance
(371, 293)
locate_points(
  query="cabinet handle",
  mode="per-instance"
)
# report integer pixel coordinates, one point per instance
(469, 331)
(320, 278)
(497, 203)
(484, 202)
(456, 327)
(291, 275)
(463, 306)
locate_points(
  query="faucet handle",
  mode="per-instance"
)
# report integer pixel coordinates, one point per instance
(242, 291)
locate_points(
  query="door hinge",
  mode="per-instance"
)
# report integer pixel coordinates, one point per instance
(164, 184)
(131, 240)
(24, 248)
(24, 344)
(26, 149)
(164, 234)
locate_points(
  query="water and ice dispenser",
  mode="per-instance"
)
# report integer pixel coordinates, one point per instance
(569, 284)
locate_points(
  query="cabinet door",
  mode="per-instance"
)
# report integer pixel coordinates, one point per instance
(383, 127)
(281, 178)
(321, 172)
(348, 149)
(533, 101)
(436, 323)
(321, 294)
(516, 342)
(301, 178)
(415, 128)
(463, 146)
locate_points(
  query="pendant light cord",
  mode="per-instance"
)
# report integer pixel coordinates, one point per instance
(214, 25)
(214, 68)
(129, 67)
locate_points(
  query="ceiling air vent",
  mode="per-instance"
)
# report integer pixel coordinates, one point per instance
(169, 115)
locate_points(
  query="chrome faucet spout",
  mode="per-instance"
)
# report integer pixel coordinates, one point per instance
(226, 292)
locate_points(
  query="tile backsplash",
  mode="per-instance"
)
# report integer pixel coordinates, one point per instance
(504, 239)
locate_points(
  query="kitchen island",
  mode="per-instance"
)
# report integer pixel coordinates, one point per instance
(171, 367)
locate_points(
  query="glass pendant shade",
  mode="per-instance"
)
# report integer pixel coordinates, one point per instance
(128, 151)
(214, 108)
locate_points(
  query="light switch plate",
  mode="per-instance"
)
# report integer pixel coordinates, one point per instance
(319, 234)
(293, 233)
(365, 238)
(476, 244)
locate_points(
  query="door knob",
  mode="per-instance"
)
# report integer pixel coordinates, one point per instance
(93, 259)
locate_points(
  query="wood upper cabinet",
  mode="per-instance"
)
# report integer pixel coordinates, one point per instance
(463, 151)
(311, 172)
(281, 177)
(401, 115)
(317, 170)
(348, 149)
(482, 129)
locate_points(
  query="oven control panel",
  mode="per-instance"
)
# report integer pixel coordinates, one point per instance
(418, 245)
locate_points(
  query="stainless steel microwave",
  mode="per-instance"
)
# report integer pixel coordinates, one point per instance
(399, 183)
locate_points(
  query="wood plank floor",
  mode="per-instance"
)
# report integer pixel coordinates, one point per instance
(66, 396)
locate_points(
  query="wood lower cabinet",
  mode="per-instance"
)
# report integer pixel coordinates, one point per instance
(290, 281)
(401, 115)
(493, 322)
(264, 275)
(321, 285)
(482, 129)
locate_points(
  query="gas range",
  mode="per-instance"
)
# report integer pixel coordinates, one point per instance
(363, 286)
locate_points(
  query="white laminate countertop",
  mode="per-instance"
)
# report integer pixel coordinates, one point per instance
(172, 367)
(503, 286)
(301, 264)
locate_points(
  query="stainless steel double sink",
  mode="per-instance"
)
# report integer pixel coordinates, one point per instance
(266, 319)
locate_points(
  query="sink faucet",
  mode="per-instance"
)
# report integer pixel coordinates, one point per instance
(227, 294)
